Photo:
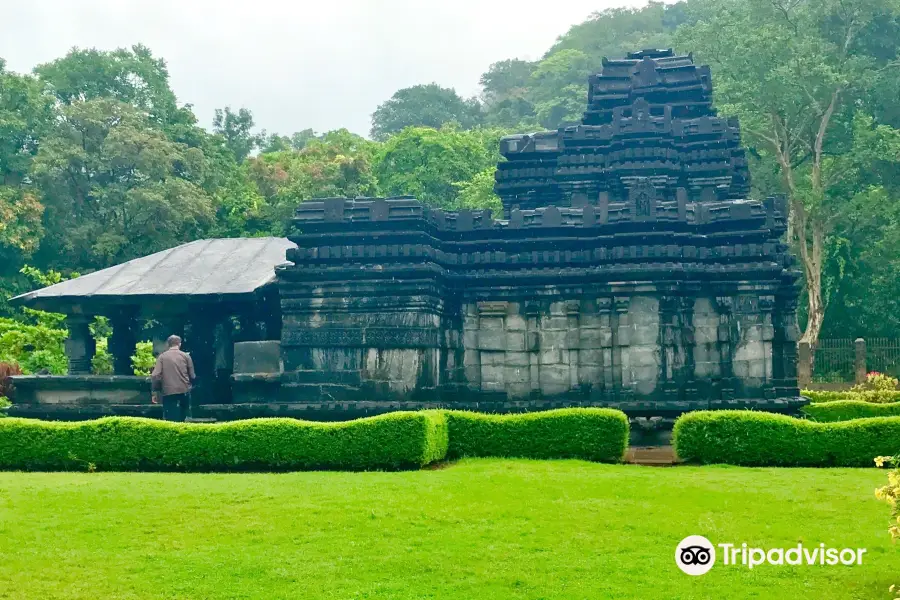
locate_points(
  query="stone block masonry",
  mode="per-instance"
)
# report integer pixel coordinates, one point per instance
(628, 269)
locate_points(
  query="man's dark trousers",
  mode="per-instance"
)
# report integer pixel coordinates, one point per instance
(176, 407)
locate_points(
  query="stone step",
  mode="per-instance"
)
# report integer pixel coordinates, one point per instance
(657, 456)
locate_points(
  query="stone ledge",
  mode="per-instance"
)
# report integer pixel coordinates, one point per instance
(80, 382)
(68, 412)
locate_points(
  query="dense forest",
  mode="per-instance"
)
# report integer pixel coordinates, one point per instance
(99, 163)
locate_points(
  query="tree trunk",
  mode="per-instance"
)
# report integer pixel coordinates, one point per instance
(811, 251)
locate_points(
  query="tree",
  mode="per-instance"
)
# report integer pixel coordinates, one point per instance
(864, 243)
(478, 192)
(133, 76)
(559, 88)
(795, 72)
(614, 32)
(297, 141)
(237, 129)
(116, 188)
(504, 93)
(300, 139)
(431, 163)
(24, 115)
(552, 92)
(423, 106)
(338, 163)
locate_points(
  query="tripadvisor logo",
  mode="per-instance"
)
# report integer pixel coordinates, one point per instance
(696, 555)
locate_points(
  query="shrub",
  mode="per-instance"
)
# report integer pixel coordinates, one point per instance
(394, 441)
(758, 438)
(598, 434)
(102, 363)
(33, 347)
(846, 410)
(7, 370)
(143, 360)
(891, 492)
(873, 396)
(878, 382)
(5, 404)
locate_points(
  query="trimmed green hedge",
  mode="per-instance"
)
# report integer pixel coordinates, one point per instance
(598, 434)
(399, 440)
(846, 410)
(871, 396)
(764, 439)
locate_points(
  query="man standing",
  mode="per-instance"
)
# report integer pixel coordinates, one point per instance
(173, 376)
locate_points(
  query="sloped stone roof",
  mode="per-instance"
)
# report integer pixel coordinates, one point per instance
(223, 268)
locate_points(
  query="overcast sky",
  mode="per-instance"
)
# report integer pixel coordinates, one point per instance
(298, 64)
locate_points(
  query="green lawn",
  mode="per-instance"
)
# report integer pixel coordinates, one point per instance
(477, 529)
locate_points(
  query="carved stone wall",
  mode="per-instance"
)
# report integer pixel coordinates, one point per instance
(628, 269)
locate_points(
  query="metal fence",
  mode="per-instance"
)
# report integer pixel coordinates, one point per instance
(883, 355)
(835, 359)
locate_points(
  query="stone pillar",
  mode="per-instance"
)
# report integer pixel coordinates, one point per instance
(492, 345)
(786, 363)
(670, 365)
(554, 357)
(517, 374)
(604, 309)
(532, 314)
(590, 350)
(123, 341)
(80, 346)
(471, 359)
(688, 341)
(860, 362)
(225, 348)
(621, 330)
(573, 314)
(726, 341)
(200, 342)
(767, 336)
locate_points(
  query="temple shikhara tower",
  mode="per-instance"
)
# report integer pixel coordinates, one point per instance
(629, 269)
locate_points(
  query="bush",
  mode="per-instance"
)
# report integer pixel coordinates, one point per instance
(397, 440)
(7, 370)
(33, 347)
(873, 396)
(143, 360)
(102, 363)
(890, 493)
(751, 438)
(877, 381)
(598, 434)
(846, 410)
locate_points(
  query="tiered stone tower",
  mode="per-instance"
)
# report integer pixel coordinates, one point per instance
(628, 270)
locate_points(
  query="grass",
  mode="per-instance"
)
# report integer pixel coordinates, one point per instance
(476, 529)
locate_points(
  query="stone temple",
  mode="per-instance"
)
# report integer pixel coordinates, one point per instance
(628, 269)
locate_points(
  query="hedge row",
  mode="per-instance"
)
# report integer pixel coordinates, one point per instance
(872, 396)
(394, 441)
(765, 439)
(400, 440)
(598, 434)
(845, 410)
